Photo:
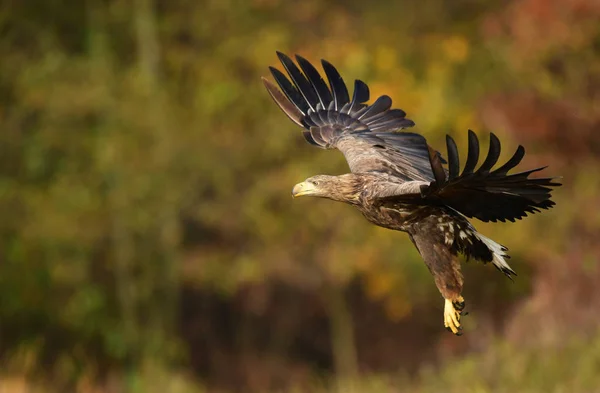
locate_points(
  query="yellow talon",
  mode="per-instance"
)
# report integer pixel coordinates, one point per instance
(452, 317)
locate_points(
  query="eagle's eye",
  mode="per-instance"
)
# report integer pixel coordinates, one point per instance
(316, 183)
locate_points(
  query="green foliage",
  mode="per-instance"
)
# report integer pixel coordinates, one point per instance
(145, 179)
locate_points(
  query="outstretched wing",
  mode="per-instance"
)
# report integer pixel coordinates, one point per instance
(366, 134)
(484, 194)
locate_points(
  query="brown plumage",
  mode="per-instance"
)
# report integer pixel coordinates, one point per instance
(399, 182)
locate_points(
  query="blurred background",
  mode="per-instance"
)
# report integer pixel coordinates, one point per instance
(149, 243)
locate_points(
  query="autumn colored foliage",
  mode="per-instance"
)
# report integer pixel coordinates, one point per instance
(149, 243)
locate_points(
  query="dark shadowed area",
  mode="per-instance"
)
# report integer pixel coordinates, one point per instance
(149, 242)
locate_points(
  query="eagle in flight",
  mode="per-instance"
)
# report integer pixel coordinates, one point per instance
(399, 182)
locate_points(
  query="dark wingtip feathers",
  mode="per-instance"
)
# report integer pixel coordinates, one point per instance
(283, 103)
(320, 102)
(473, 154)
(491, 158)
(493, 154)
(453, 161)
(513, 162)
(436, 166)
(317, 82)
(337, 85)
(492, 195)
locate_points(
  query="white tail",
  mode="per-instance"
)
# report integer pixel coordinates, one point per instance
(499, 253)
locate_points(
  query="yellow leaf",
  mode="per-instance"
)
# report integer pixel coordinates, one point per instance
(456, 49)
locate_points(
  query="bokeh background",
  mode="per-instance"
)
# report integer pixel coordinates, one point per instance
(149, 243)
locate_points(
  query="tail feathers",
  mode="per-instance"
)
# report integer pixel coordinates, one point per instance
(463, 238)
(499, 255)
(485, 194)
(443, 231)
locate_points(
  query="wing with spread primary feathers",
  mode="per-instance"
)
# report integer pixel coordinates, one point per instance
(367, 135)
(483, 193)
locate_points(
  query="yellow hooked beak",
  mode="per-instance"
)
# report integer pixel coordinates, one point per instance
(304, 188)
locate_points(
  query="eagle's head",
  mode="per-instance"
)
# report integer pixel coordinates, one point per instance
(339, 188)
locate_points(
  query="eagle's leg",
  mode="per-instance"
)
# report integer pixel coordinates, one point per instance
(445, 268)
(452, 313)
(433, 238)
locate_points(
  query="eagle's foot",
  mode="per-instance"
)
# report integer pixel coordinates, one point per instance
(459, 304)
(452, 314)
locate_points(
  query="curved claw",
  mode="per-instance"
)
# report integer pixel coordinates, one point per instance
(459, 304)
(452, 314)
